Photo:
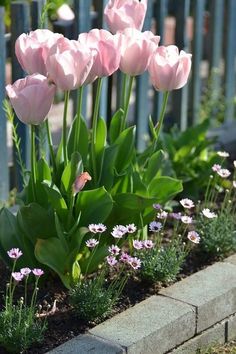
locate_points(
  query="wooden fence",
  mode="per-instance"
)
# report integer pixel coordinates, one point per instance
(206, 28)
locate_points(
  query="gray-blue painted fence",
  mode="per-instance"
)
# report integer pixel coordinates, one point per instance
(184, 107)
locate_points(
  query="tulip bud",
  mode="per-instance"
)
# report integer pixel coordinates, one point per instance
(80, 182)
(31, 98)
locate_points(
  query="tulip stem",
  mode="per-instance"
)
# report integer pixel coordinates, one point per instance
(94, 128)
(64, 131)
(50, 144)
(33, 162)
(124, 88)
(126, 105)
(162, 115)
(78, 118)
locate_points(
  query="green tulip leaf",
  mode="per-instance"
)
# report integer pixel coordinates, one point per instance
(115, 125)
(31, 218)
(154, 167)
(51, 253)
(71, 171)
(100, 144)
(94, 205)
(11, 236)
(83, 140)
(126, 146)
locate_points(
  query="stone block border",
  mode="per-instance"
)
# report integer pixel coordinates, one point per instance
(194, 313)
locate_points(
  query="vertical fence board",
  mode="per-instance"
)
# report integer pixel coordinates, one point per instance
(82, 10)
(180, 97)
(4, 173)
(142, 101)
(215, 38)
(99, 7)
(20, 14)
(36, 11)
(230, 54)
(160, 13)
(197, 51)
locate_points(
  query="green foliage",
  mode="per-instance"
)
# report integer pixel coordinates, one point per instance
(191, 156)
(163, 264)
(92, 300)
(19, 329)
(218, 235)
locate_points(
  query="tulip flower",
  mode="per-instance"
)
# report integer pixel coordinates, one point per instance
(31, 98)
(122, 14)
(69, 63)
(32, 50)
(136, 45)
(105, 47)
(169, 70)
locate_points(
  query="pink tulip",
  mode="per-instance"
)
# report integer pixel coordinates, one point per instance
(32, 50)
(31, 98)
(105, 47)
(122, 14)
(169, 69)
(69, 63)
(136, 50)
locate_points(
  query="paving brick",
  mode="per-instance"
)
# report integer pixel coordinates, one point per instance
(87, 344)
(211, 336)
(212, 291)
(232, 328)
(154, 326)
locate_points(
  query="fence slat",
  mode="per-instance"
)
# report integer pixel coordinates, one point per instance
(4, 172)
(230, 54)
(36, 10)
(142, 101)
(99, 7)
(83, 21)
(160, 13)
(180, 97)
(20, 14)
(197, 51)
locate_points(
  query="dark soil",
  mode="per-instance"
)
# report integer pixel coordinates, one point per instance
(64, 325)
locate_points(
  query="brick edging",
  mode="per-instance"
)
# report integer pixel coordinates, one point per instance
(193, 313)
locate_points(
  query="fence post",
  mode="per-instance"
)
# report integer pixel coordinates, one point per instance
(230, 54)
(160, 12)
(99, 7)
(197, 51)
(36, 11)
(215, 43)
(4, 174)
(180, 97)
(20, 14)
(142, 101)
(82, 10)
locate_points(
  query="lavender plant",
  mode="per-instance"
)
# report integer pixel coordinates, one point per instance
(19, 325)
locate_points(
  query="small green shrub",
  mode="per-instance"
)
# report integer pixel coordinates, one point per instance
(163, 264)
(218, 235)
(92, 300)
(14, 336)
